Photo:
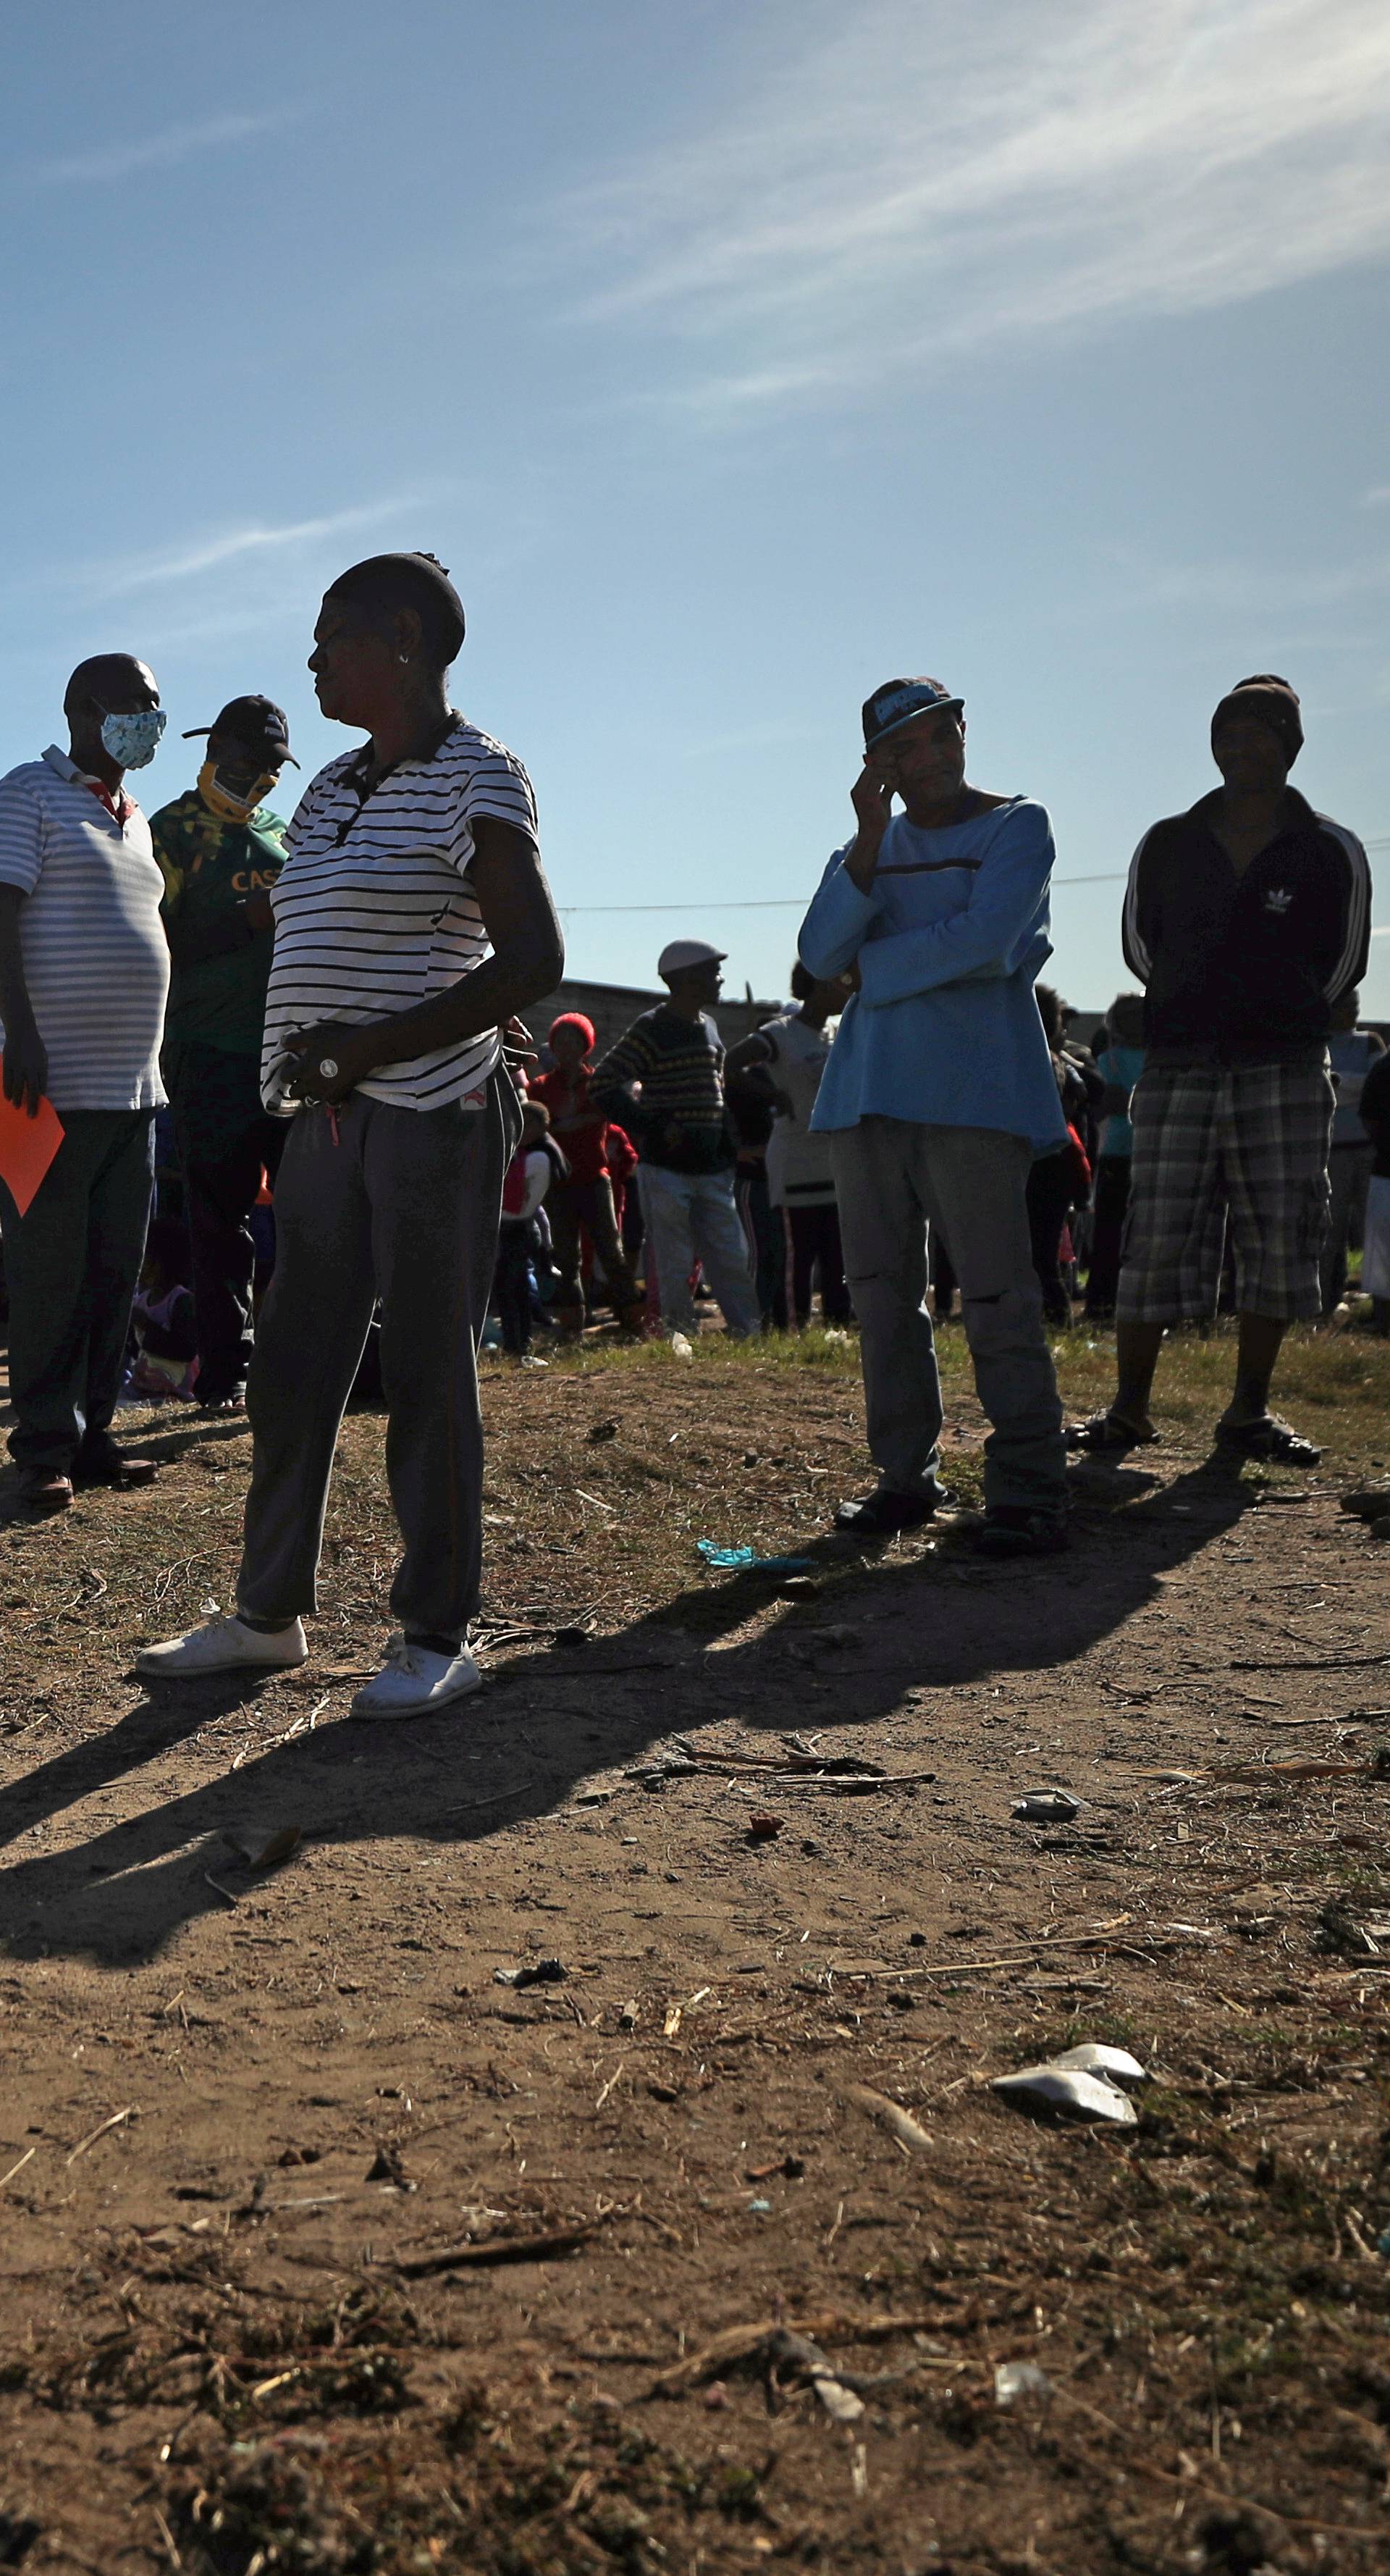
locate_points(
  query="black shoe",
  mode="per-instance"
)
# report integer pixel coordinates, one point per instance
(1010, 1529)
(883, 1512)
(100, 1462)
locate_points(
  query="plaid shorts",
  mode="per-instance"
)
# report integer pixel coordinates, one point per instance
(1214, 1144)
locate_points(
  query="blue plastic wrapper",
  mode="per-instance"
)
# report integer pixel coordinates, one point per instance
(738, 1560)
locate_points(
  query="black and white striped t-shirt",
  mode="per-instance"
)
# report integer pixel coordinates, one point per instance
(374, 910)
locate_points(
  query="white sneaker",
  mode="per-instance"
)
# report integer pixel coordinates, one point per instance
(414, 1681)
(223, 1646)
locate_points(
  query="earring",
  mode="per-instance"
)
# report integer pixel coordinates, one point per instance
(403, 657)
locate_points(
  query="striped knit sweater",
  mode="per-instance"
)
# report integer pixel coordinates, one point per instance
(667, 1070)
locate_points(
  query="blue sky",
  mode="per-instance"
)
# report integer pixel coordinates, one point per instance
(735, 358)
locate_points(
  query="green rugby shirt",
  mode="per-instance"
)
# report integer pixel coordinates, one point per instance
(209, 868)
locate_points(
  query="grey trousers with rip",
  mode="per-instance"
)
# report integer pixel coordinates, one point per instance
(895, 1178)
(400, 1205)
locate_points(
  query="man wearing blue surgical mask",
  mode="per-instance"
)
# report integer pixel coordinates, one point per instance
(84, 974)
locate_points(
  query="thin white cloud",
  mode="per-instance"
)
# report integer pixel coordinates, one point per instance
(125, 160)
(207, 554)
(1234, 588)
(915, 179)
(247, 560)
(230, 580)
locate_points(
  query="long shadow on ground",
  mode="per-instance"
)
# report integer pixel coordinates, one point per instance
(549, 1719)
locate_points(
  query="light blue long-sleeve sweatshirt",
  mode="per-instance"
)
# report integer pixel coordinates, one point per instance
(949, 942)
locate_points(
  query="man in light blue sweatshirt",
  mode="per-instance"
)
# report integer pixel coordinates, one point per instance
(938, 1095)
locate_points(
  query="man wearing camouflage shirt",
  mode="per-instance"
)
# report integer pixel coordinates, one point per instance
(221, 850)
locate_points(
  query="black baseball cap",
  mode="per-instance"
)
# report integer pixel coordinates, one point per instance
(898, 701)
(258, 724)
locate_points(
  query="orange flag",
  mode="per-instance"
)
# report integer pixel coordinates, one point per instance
(27, 1147)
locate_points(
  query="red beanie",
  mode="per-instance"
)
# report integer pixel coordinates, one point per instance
(575, 1020)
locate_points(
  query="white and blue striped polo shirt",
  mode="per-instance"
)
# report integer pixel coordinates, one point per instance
(96, 961)
(375, 911)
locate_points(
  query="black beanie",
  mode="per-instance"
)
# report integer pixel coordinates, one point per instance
(1272, 701)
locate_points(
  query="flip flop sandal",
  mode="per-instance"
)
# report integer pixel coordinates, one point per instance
(1270, 1439)
(1107, 1435)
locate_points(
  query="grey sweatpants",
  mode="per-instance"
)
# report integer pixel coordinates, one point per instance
(894, 1178)
(403, 1206)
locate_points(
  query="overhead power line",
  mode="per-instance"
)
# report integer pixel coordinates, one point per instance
(783, 902)
(798, 902)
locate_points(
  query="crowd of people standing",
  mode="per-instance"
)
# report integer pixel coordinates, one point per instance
(330, 1009)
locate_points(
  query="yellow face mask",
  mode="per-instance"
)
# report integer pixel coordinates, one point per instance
(227, 803)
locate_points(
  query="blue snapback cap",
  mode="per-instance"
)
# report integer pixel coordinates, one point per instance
(898, 701)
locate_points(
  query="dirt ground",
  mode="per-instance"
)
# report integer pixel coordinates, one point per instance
(325, 2250)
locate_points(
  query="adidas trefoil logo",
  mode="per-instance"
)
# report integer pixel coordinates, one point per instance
(1278, 900)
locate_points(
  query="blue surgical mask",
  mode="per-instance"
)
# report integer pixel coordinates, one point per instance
(132, 741)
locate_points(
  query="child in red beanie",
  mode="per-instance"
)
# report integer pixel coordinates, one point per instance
(586, 1198)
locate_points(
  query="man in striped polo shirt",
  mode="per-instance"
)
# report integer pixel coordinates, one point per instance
(84, 971)
(412, 919)
(664, 1082)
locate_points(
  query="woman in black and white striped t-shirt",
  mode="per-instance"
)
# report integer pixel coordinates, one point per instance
(411, 921)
